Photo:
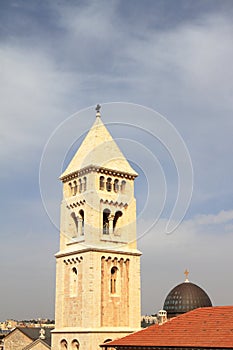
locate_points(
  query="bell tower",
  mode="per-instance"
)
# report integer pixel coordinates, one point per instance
(98, 265)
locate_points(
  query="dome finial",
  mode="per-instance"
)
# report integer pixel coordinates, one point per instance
(98, 110)
(186, 275)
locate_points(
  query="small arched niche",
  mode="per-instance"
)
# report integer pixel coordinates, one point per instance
(75, 344)
(63, 344)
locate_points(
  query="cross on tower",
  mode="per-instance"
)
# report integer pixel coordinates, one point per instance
(186, 275)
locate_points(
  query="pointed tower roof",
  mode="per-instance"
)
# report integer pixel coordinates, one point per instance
(99, 149)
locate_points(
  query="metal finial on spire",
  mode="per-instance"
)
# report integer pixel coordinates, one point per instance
(186, 275)
(98, 110)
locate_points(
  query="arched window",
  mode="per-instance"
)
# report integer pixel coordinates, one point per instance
(75, 188)
(80, 185)
(81, 213)
(101, 183)
(109, 184)
(123, 184)
(106, 214)
(106, 341)
(113, 279)
(84, 184)
(116, 186)
(75, 344)
(74, 282)
(74, 227)
(63, 344)
(70, 189)
(118, 214)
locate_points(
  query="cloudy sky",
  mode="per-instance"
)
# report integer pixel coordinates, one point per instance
(171, 56)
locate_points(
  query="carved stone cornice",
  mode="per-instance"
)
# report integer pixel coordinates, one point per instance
(95, 169)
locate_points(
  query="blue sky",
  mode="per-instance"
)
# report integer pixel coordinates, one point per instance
(60, 57)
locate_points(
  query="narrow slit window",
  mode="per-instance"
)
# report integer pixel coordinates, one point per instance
(113, 280)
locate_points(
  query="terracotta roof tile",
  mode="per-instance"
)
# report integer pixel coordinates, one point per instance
(209, 327)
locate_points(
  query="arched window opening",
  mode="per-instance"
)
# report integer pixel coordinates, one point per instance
(109, 184)
(106, 341)
(106, 214)
(70, 189)
(63, 344)
(74, 281)
(101, 183)
(123, 185)
(75, 188)
(81, 213)
(75, 225)
(80, 185)
(116, 217)
(84, 184)
(113, 280)
(75, 344)
(116, 186)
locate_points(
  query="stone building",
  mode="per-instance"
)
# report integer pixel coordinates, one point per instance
(98, 265)
(28, 338)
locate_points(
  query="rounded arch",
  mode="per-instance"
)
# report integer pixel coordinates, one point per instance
(81, 215)
(101, 183)
(70, 189)
(75, 271)
(73, 281)
(74, 225)
(75, 344)
(116, 185)
(75, 188)
(84, 184)
(113, 281)
(106, 213)
(117, 215)
(63, 344)
(109, 184)
(123, 185)
(80, 185)
(107, 340)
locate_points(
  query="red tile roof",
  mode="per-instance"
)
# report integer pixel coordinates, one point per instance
(209, 327)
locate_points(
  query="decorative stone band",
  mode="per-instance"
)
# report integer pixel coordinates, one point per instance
(101, 170)
(121, 205)
(132, 252)
(115, 259)
(76, 204)
(73, 260)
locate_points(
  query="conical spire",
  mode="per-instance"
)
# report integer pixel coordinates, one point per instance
(100, 150)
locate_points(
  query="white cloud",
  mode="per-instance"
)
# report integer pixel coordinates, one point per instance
(92, 54)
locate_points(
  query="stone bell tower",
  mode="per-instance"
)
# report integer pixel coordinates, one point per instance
(98, 265)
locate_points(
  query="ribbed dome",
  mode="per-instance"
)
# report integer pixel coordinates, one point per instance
(185, 297)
